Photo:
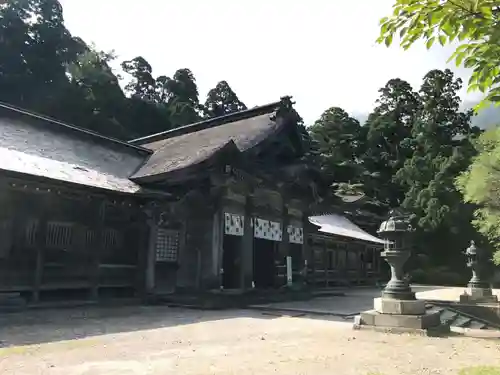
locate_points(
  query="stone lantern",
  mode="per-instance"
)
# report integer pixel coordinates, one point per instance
(397, 233)
(479, 289)
(397, 310)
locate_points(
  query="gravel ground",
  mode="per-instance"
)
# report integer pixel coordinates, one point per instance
(159, 340)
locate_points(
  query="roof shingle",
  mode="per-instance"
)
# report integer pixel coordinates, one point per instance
(43, 151)
(174, 151)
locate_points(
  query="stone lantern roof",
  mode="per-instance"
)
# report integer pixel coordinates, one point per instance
(397, 222)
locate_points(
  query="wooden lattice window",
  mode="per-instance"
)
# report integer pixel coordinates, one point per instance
(6, 236)
(90, 238)
(167, 245)
(112, 239)
(59, 235)
(30, 232)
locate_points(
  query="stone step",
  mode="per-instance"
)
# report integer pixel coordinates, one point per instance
(461, 321)
(456, 319)
(448, 316)
(474, 324)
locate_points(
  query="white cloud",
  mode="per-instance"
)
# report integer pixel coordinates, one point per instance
(323, 53)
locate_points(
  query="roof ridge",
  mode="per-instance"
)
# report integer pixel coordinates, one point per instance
(209, 123)
(74, 128)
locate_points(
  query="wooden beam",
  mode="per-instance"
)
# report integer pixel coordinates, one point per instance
(247, 256)
(40, 245)
(97, 250)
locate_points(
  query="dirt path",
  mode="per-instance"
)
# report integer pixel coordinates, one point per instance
(172, 341)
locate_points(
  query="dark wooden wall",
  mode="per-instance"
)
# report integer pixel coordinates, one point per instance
(53, 241)
(343, 261)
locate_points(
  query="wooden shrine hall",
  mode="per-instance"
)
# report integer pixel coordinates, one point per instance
(217, 204)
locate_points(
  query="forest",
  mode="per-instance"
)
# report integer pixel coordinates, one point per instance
(408, 153)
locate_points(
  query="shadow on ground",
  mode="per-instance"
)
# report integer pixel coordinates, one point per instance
(51, 325)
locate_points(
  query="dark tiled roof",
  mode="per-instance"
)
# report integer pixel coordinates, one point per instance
(37, 148)
(10, 110)
(193, 144)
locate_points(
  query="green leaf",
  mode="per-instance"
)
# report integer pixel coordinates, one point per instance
(430, 42)
(388, 40)
(442, 40)
(469, 62)
(403, 32)
(460, 58)
(473, 87)
(487, 11)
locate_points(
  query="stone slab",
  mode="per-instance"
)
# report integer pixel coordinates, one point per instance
(440, 330)
(443, 293)
(478, 295)
(399, 307)
(425, 321)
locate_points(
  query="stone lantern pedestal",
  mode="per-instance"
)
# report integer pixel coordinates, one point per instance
(397, 309)
(478, 289)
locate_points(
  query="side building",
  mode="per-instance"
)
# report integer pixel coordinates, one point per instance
(216, 204)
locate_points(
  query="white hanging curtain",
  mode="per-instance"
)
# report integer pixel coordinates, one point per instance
(234, 224)
(295, 235)
(342, 226)
(267, 229)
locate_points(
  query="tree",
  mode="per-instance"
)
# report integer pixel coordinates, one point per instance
(442, 149)
(339, 138)
(95, 99)
(147, 106)
(182, 98)
(222, 100)
(474, 23)
(35, 48)
(389, 140)
(142, 85)
(480, 185)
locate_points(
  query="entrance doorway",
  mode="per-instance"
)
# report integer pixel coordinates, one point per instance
(231, 261)
(264, 268)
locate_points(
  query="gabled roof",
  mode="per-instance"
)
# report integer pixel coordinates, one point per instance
(53, 124)
(191, 145)
(342, 226)
(35, 145)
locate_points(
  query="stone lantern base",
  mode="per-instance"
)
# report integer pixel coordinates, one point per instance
(401, 316)
(478, 295)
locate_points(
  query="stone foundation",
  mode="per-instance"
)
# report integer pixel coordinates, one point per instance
(478, 295)
(399, 307)
(400, 316)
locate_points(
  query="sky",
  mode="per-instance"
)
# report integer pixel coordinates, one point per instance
(321, 52)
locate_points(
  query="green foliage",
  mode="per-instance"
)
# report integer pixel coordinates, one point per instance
(480, 185)
(45, 69)
(222, 100)
(388, 139)
(441, 275)
(408, 154)
(480, 370)
(441, 146)
(339, 140)
(473, 23)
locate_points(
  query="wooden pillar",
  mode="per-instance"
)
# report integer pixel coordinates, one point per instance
(306, 249)
(247, 246)
(97, 250)
(325, 264)
(284, 245)
(150, 266)
(359, 265)
(346, 265)
(377, 260)
(40, 245)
